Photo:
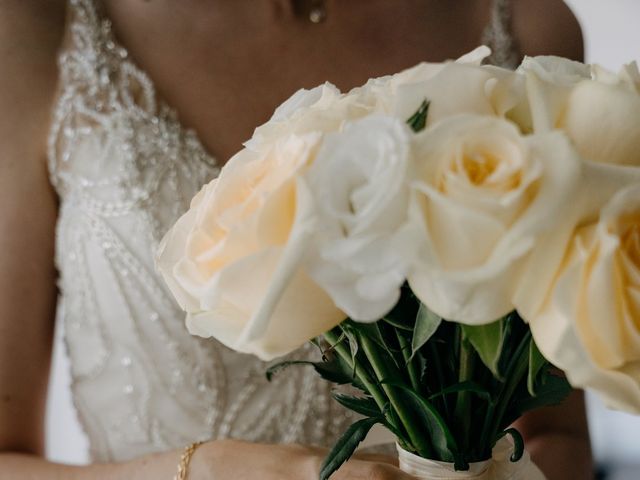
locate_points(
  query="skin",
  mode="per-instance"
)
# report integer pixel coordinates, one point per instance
(184, 46)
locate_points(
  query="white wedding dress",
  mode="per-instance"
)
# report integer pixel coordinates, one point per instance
(125, 169)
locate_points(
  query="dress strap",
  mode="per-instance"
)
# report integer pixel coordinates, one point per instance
(101, 89)
(85, 54)
(97, 83)
(498, 35)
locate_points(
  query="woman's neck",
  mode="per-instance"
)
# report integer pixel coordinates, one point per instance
(238, 59)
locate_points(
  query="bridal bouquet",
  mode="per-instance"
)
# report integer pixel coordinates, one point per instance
(445, 236)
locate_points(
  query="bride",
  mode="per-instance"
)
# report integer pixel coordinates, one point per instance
(95, 165)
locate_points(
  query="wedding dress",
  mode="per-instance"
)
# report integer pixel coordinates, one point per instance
(125, 169)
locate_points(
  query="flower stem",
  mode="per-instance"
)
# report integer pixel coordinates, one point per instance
(462, 411)
(414, 375)
(514, 375)
(434, 360)
(371, 385)
(384, 371)
(486, 427)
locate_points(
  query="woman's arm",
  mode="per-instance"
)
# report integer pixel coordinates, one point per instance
(558, 439)
(30, 32)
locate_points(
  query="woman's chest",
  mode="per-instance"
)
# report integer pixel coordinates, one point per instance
(225, 66)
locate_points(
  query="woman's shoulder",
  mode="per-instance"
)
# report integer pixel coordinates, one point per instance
(31, 32)
(547, 27)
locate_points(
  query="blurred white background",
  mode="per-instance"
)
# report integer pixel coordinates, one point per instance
(612, 37)
(611, 30)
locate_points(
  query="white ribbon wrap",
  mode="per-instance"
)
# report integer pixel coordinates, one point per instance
(499, 467)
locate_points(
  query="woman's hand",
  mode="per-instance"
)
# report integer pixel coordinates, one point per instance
(232, 459)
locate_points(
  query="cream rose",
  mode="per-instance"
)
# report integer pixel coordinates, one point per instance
(365, 244)
(322, 109)
(483, 196)
(380, 94)
(454, 87)
(599, 111)
(590, 324)
(233, 260)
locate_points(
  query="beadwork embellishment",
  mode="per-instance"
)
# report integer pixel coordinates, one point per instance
(125, 169)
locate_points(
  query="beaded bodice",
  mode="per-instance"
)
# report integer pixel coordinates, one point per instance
(125, 169)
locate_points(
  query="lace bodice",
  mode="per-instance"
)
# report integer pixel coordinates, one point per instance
(125, 169)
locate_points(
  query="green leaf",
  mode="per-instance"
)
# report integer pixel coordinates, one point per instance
(518, 443)
(274, 369)
(552, 391)
(437, 430)
(468, 386)
(331, 370)
(403, 314)
(391, 426)
(376, 333)
(352, 340)
(345, 446)
(418, 120)
(397, 323)
(370, 330)
(353, 344)
(511, 339)
(536, 362)
(427, 323)
(363, 405)
(488, 341)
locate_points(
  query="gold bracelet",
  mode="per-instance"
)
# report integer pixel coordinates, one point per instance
(185, 459)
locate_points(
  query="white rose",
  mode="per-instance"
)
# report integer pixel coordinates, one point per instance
(360, 184)
(598, 110)
(233, 261)
(322, 109)
(453, 87)
(463, 89)
(484, 195)
(598, 183)
(590, 323)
